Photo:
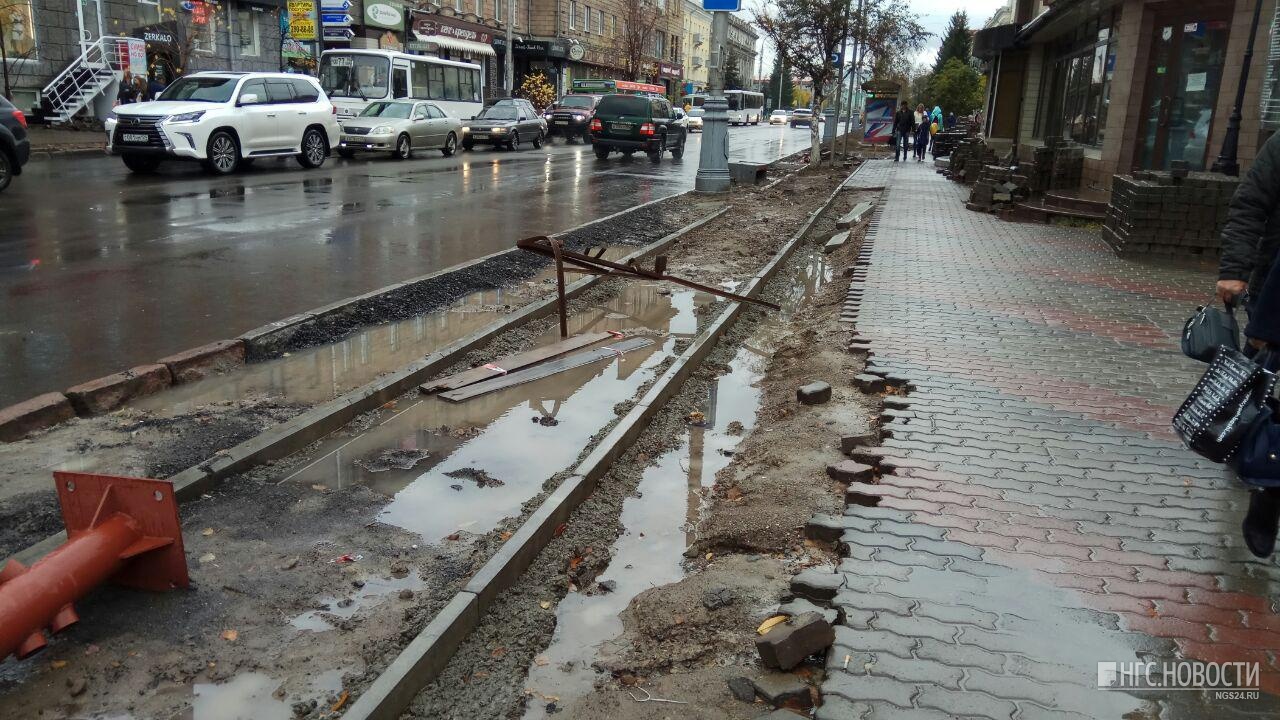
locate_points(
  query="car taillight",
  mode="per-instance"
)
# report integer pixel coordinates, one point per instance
(595, 125)
(22, 119)
(646, 129)
(334, 109)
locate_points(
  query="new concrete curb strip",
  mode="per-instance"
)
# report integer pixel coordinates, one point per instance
(298, 432)
(424, 658)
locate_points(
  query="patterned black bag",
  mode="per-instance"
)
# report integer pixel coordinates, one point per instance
(1224, 404)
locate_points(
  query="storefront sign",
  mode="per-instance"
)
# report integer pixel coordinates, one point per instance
(291, 48)
(425, 25)
(338, 34)
(533, 47)
(667, 70)
(383, 15)
(335, 19)
(389, 41)
(137, 56)
(302, 19)
(335, 5)
(576, 51)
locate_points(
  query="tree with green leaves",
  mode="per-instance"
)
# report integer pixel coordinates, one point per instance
(958, 88)
(957, 42)
(779, 80)
(732, 74)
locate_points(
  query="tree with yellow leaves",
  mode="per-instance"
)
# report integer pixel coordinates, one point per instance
(537, 90)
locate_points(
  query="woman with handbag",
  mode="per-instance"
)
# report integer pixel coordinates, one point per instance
(1256, 457)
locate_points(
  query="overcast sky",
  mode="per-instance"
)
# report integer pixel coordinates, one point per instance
(933, 14)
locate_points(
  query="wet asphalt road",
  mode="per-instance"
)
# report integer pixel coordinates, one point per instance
(101, 270)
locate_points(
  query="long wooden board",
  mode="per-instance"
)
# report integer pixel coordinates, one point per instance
(513, 362)
(547, 369)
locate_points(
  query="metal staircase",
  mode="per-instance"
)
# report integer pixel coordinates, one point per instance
(84, 79)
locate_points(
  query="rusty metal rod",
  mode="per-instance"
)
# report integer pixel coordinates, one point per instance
(554, 249)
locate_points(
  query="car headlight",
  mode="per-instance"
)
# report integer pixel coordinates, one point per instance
(498, 130)
(579, 118)
(381, 130)
(187, 117)
(466, 129)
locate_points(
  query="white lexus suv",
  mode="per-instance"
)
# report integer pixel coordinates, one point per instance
(225, 120)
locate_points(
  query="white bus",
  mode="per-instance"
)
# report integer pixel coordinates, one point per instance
(354, 78)
(746, 107)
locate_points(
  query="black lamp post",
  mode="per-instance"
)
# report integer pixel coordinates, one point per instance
(1226, 162)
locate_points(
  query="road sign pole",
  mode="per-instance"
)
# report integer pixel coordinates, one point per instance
(713, 161)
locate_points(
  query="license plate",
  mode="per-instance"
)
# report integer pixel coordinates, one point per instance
(562, 122)
(135, 138)
(480, 136)
(620, 127)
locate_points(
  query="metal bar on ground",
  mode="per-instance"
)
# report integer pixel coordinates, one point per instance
(547, 369)
(517, 361)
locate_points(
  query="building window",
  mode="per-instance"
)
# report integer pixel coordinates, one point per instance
(204, 27)
(247, 26)
(573, 15)
(586, 19)
(613, 25)
(675, 49)
(659, 43)
(148, 12)
(599, 22)
(479, 8)
(1076, 87)
(19, 37)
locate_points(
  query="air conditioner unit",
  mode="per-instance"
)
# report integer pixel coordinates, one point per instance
(697, 38)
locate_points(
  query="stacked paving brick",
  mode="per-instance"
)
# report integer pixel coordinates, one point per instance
(997, 189)
(1068, 167)
(1160, 213)
(968, 159)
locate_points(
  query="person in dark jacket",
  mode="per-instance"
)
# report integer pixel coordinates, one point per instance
(904, 124)
(1252, 233)
(127, 93)
(1262, 521)
(951, 121)
(922, 139)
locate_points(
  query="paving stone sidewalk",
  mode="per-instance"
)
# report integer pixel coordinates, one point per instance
(1035, 515)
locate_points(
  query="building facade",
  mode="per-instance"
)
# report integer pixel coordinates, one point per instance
(1136, 84)
(742, 50)
(697, 46)
(41, 38)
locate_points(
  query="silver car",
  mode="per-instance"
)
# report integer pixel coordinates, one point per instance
(400, 127)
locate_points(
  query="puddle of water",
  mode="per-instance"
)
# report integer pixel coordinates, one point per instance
(650, 552)
(374, 592)
(247, 696)
(520, 436)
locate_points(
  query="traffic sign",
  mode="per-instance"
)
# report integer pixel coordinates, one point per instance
(338, 34)
(722, 5)
(335, 19)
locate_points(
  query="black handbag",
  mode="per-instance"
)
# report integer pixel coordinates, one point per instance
(1208, 329)
(1221, 409)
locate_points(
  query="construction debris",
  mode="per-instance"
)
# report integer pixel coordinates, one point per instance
(787, 644)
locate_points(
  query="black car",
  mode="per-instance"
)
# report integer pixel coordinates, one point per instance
(628, 123)
(15, 146)
(505, 123)
(571, 117)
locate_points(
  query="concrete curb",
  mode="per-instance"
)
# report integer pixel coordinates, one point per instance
(300, 431)
(50, 154)
(423, 660)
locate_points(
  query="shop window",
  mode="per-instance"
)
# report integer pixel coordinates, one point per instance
(204, 27)
(1075, 88)
(147, 12)
(19, 32)
(247, 27)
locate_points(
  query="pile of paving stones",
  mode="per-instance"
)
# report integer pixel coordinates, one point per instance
(968, 159)
(1168, 213)
(997, 189)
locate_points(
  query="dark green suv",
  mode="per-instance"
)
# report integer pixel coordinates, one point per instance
(628, 123)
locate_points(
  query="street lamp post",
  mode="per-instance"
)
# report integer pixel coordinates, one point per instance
(510, 75)
(713, 161)
(1227, 163)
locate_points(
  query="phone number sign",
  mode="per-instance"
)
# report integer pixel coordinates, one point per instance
(302, 19)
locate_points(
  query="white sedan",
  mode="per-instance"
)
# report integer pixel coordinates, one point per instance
(779, 117)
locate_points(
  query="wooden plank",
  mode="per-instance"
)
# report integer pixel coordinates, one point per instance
(514, 362)
(547, 369)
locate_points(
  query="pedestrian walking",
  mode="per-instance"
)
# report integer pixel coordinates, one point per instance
(155, 87)
(1246, 273)
(922, 139)
(140, 91)
(903, 127)
(127, 93)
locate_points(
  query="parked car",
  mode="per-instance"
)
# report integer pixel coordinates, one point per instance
(628, 123)
(801, 116)
(779, 117)
(15, 146)
(505, 123)
(399, 127)
(226, 120)
(694, 123)
(570, 117)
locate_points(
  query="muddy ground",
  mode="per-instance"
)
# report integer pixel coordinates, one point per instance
(299, 594)
(675, 644)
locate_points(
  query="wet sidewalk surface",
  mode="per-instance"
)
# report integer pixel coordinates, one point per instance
(1036, 515)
